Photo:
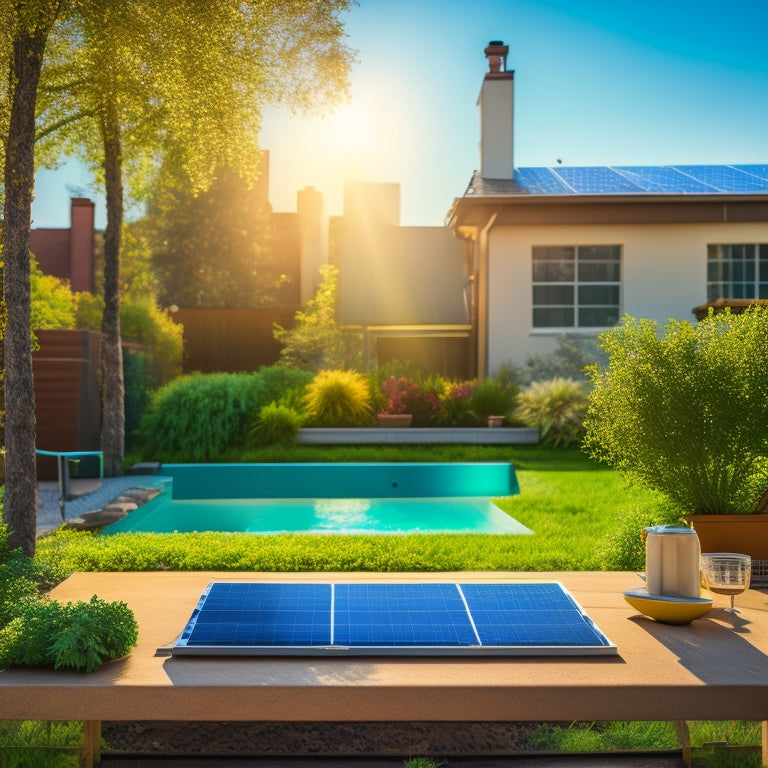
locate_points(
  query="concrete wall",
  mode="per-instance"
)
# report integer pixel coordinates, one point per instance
(663, 275)
(392, 275)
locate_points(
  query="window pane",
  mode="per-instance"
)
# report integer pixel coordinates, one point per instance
(716, 271)
(598, 294)
(598, 317)
(763, 251)
(553, 272)
(552, 318)
(763, 292)
(553, 253)
(552, 294)
(717, 252)
(715, 291)
(600, 272)
(599, 252)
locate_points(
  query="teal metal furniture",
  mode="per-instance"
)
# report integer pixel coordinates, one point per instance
(63, 458)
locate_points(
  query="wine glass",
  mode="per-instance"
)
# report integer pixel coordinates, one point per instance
(726, 573)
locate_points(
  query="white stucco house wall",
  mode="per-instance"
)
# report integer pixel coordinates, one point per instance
(571, 250)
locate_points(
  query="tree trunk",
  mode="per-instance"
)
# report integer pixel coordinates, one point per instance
(20, 498)
(113, 395)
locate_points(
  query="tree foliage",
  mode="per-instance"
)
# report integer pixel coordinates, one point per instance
(317, 341)
(685, 412)
(211, 249)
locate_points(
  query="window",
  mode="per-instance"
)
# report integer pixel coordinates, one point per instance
(737, 272)
(576, 286)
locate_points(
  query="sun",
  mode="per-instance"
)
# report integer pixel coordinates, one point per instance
(348, 134)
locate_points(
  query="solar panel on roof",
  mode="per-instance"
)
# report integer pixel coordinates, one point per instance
(622, 180)
(269, 618)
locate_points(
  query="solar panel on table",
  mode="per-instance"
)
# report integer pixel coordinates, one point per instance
(269, 618)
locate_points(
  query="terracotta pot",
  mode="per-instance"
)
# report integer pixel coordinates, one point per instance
(395, 420)
(746, 534)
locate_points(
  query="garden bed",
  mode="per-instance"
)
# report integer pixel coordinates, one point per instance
(418, 436)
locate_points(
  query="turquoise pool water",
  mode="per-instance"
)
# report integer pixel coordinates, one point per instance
(327, 498)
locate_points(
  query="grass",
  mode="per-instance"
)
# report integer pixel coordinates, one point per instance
(576, 508)
(708, 738)
(570, 503)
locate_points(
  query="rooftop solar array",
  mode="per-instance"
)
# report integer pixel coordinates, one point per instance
(269, 618)
(629, 180)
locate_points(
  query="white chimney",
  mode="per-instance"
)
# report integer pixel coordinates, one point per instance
(496, 104)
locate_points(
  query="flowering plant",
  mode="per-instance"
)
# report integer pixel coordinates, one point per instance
(395, 392)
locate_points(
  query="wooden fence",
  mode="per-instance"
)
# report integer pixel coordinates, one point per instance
(230, 339)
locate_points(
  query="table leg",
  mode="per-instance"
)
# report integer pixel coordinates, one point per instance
(764, 741)
(90, 752)
(684, 740)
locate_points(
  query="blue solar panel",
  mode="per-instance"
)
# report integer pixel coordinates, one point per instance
(269, 618)
(541, 181)
(622, 180)
(536, 614)
(401, 614)
(590, 181)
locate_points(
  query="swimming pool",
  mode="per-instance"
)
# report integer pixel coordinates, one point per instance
(329, 498)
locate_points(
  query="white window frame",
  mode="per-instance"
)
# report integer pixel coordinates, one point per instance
(575, 283)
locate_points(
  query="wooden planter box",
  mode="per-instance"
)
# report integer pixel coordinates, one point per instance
(746, 534)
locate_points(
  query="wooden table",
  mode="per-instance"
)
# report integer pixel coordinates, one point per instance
(713, 669)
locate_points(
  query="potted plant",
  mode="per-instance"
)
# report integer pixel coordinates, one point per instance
(395, 414)
(684, 412)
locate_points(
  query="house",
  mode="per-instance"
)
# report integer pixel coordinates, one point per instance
(68, 253)
(406, 288)
(569, 250)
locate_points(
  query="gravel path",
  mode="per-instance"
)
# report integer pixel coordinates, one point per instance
(91, 494)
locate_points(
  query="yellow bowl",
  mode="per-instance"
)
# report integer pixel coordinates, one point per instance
(668, 610)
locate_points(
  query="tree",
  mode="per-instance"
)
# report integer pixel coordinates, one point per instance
(316, 341)
(26, 27)
(133, 80)
(212, 249)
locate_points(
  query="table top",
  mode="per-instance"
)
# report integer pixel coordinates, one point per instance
(714, 668)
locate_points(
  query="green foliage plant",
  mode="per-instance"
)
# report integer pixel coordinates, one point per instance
(316, 341)
(78, 636)
(276, 424)
(684, 412)
(492, 398)
(456, 405)
(283, 384)
(338, 398)
(556, 408)
(199, 415)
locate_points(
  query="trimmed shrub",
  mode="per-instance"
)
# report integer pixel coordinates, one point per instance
(200, 415)
(276, 424)
(685, 412)
(556, 408)
(338, 399)
(280, 383)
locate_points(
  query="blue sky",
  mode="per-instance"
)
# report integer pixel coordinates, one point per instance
(597, 82)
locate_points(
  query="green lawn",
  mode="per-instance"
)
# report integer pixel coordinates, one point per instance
(575, 508)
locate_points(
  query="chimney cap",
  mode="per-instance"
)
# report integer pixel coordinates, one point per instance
(497, 56)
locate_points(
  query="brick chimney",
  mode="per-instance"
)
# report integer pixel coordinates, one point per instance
(496, 104)
(81, 245)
